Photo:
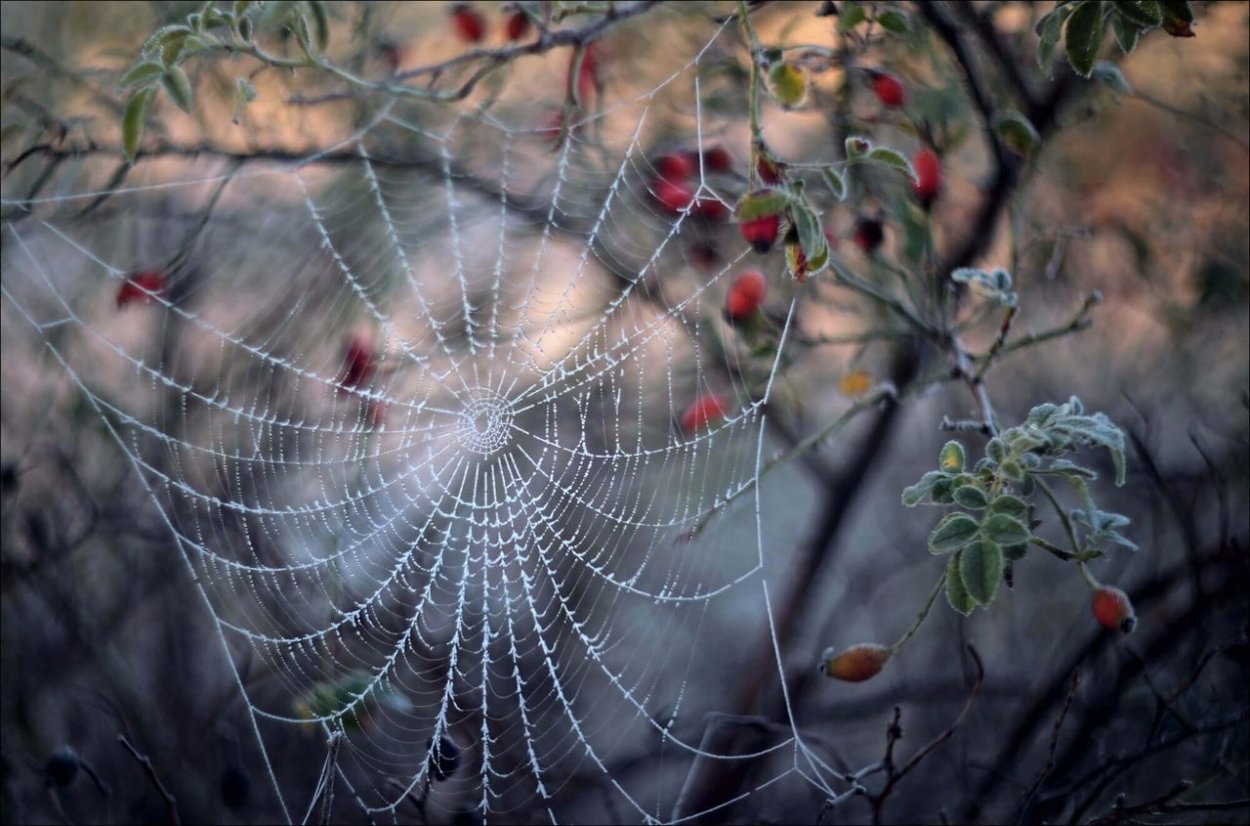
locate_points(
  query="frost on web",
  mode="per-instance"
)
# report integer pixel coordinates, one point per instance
(411, 404)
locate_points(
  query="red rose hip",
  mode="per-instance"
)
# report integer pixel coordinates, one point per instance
(1113, 609)
(928, 182)
(889, 90)
(468, 24)
(746, 295)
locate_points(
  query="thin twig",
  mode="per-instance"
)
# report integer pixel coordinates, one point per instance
(145, 762)
(1027, 800)
(894, 733)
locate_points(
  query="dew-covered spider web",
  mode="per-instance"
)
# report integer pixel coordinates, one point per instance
(414, 403)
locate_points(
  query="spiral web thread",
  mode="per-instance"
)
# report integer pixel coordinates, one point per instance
(484, 537)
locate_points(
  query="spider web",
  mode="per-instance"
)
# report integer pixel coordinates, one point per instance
(484, 564)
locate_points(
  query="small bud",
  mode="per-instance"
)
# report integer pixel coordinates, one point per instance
(857, 663)
(1113, 610)
(61, 768)
(746, 294)
(889, 90)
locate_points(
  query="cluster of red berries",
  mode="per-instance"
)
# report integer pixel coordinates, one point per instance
(674, 185)
(470, 25)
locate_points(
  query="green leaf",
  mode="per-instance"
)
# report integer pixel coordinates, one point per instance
(276, 13)
(956, 594)
(811, 238)
(1048, 30)
(759, 204)
(1012, 470)
(852, 15)
(1010, 505)
(1015, 552)
(141, 73)
(1144, 13)
(1109, 75)
(1016, 132)
(177, 87)
(320, 24)
(981, 570)
(836, 182)
(941, 493)
(134, 120)
(1083, 36)
(970, 496)
(953, 532)
(1004, 530)
(788, 83)
(158, 38)
(1126, 33)
(913, 494)
(892, 157)
(894, 21)
(951, 457)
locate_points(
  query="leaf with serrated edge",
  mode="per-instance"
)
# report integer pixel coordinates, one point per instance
(953, 532)
(956, 594)
(134, 120)
(1004, 529)
(981, 570)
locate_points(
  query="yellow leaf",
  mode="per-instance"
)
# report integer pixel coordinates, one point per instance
(855, 383)
(788, 84)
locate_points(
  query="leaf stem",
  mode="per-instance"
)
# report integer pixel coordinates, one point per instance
(921, 616)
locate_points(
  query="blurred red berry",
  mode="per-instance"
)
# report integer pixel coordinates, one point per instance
(1113, 610)
(358, 364)
(676, 166)
(928, 182)
(141, 286)
(869, 233)
(761, 232)
(673, 196)
(588, 74)
(769, 171)
(518, 25)
(746, 295)
(707, 409)
(710, 209)
(717, 159)
(468, 23)
(889, 90)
